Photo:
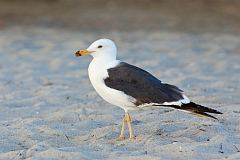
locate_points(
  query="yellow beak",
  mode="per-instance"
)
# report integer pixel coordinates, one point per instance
(82, 53)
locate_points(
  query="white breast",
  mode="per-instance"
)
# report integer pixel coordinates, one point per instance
(97, 72)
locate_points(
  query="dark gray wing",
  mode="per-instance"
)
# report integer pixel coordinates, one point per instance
(141, 85)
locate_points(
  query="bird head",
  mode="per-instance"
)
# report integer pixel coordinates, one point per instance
(100, 48)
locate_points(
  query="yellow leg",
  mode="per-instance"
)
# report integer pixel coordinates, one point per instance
(122, 137)
(128, 120)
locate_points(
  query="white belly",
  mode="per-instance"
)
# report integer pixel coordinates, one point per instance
(97, 74)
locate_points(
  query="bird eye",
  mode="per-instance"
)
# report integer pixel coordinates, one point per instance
(99, 46)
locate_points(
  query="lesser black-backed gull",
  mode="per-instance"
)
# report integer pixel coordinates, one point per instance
(132, 88)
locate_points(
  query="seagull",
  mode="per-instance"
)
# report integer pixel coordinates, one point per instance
(132, 88)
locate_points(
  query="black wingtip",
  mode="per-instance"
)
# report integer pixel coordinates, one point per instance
(200, 108)
(196, 109)
(217, 112)
(204, 114)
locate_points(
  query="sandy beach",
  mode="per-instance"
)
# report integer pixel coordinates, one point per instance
(49, 109)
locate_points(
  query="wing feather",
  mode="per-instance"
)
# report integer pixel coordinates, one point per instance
(141, 85)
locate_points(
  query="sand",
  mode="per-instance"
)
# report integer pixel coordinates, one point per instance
(49, 110)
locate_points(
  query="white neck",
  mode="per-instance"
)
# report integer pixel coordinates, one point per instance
(103, 58)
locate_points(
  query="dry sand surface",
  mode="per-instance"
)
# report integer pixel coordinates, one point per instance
(49, 110)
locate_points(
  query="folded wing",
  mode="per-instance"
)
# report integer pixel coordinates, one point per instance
(141, 85)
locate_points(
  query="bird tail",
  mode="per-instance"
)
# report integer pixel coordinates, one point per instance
(196, 109)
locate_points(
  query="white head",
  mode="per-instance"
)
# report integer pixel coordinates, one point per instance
(102, 48)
